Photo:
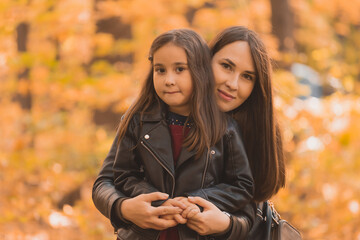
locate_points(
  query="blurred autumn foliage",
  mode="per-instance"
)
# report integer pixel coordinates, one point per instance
(69, 68)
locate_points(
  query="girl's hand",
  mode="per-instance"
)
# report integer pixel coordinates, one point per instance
(139, 211)
(177, 217)
(211, 220)
(191, 208)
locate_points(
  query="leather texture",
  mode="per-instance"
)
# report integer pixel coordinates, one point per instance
(144, 164)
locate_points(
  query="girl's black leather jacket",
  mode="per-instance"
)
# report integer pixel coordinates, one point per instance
(143, 163)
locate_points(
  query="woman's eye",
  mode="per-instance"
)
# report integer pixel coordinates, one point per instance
(226, 66)
(248, 77)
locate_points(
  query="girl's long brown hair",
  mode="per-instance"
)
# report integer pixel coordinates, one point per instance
(208, 123)
(256, 117)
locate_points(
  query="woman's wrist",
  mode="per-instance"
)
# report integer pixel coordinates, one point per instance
(227, 225)
(230, 222)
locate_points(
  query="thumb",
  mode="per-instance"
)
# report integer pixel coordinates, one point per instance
(150, 197)
(201, 202)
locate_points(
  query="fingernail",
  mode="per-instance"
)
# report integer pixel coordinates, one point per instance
(190, 197)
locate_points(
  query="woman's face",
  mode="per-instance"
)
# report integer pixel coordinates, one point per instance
(235, 75)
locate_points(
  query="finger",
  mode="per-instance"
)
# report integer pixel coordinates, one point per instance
(196, 219)
(201, 202)
(150, 197)
(162, 224)
(176, 203)
(193, 226)
(166, 210)
(167, 217)
(180, 219)
(185, 213)
(193, 212)
(179, 198)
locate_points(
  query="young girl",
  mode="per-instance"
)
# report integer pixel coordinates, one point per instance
(175, 140)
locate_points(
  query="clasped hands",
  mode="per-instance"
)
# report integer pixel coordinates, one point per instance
(179, 210)
(189, 209)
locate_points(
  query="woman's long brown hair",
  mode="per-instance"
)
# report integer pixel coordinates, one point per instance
(256, 117)
(208, 123)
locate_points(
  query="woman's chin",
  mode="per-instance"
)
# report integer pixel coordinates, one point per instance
(224, 107)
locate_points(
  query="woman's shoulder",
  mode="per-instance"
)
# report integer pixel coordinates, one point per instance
(232, 126)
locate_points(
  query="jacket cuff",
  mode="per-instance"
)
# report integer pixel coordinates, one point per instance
(240, 228)
(116, 217)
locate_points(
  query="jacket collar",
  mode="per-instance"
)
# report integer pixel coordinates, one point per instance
(157, 113)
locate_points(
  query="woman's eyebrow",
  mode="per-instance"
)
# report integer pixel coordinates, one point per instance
(230, 62)
(250, 72)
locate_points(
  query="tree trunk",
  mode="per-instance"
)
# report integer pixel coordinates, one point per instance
(282, 20)
(24, 96)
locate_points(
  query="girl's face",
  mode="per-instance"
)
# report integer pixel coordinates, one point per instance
(235, 75)
(172, 78)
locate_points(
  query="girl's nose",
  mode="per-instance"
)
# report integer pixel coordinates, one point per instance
(170, 80)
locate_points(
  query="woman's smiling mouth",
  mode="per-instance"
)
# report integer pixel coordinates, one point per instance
(224, 95)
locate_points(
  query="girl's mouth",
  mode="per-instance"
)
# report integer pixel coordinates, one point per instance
(172, 92)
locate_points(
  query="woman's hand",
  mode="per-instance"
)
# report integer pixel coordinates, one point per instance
(139, 211)
(211, 220)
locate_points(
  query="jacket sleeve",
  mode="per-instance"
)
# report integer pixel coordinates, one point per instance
(128, 171)
(236, 189)
(241, 223)
(105, 197)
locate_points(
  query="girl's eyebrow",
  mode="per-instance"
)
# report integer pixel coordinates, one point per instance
(176, 64)
(180, 63)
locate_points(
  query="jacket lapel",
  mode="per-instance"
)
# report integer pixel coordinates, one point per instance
(184, 156)
(158, 140)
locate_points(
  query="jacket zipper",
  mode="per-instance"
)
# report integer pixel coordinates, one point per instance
(205, 170)
(157, 159)
(172, 176)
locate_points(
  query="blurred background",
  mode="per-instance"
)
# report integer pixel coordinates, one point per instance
(70, 68)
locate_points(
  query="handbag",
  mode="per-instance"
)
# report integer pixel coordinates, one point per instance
(268, 225)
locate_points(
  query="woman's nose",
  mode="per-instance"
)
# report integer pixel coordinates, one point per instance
(232, 82)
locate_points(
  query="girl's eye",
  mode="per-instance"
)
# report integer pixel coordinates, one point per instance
(179, 69)
(160, 70)
(226, 66)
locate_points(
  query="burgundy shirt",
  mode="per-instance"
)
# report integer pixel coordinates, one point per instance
(176, 125)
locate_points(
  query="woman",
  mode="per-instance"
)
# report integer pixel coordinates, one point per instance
(242, 71)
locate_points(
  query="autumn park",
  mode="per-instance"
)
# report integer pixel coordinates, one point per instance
(70, 68)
